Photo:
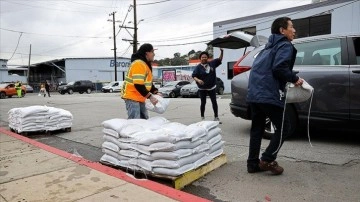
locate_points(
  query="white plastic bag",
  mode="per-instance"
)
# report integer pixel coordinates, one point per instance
(298, 93)
(160, 107)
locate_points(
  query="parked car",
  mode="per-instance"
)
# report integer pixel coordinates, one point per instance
(29, 89)
(192, 89)
(331, 64)
(8, 90)
(114, 86)
(77, 86)
(172, 88)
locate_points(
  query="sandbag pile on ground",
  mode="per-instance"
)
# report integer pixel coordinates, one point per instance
(39, 118)
(159, 146)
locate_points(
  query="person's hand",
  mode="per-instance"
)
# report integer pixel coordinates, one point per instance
(201, 82)
(299, 82)
(159, 94)
(153, 100)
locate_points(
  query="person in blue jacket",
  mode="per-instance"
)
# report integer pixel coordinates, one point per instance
(270, 72)
(205, 76)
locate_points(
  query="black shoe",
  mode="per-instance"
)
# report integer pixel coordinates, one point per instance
(254, 168)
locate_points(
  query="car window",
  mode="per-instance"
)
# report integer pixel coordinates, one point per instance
(325, 52)
(357, 49)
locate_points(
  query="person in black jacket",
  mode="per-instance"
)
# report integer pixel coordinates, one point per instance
(205, 76)
(271, 70)
(47, 88)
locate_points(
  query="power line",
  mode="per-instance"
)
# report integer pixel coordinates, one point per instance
(145, 4)
(16, 46)
(53, 35)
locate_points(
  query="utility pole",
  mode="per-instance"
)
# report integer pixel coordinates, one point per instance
(135, 29)
(114, 36)
(28, 72)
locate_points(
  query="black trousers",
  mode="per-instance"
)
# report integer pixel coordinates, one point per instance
(259, 113)
(212, 95)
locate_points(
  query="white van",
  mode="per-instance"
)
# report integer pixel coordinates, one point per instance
(114, 86)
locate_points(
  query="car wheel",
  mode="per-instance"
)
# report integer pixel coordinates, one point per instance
(111, 90)
(221, 91)
(289, 115)
(62, 93)
(2, 95)
(88, 91)
(70, 91)
(172, 95)
(81, 92)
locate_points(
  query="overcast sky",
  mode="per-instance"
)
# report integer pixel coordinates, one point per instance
(80, 28)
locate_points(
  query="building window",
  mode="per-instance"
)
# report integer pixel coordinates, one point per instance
(247, 30)
(230, 66)
(313, 26)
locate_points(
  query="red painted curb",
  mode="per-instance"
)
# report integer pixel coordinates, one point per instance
(148, 184)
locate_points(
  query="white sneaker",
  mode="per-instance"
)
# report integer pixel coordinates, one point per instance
(217, 119)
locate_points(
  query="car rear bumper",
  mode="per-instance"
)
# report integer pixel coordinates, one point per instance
(240, 111)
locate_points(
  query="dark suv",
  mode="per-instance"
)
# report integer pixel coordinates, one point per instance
(331, 64)
(77, 86)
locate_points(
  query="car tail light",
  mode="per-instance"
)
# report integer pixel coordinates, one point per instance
(240, 69)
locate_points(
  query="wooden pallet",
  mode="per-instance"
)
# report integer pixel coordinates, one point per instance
(179, 182)
(26, 133)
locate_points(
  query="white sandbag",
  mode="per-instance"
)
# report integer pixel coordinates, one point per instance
(129, 153)
(111, 139)
(110, 146)
(150, 137)
(177, 130)
(178, 163)
(202, 148)
(158, 120)
(216, 146)
(187, 144)
(160, 106)
(215, 140)
(26, 111)
(114, 154)
(115, 124)
(212, 133)
(143, 149)
(109, 159)
(174, 155)
(111, 132)
(162, 146)
(146, 165)
(204, 160)
(216, 153)
(149, 126)
(208, 125)
(173, 172)
(195, 132)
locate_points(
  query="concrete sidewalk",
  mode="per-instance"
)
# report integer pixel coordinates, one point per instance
(32, 171)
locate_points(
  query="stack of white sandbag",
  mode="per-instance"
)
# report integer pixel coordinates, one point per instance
(159, 146)
(39, 118)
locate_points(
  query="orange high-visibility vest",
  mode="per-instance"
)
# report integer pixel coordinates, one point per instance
(138, 73)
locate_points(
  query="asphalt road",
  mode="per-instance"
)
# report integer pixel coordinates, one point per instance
(328, 171)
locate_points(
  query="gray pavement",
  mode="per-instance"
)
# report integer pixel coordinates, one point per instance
(328, 171)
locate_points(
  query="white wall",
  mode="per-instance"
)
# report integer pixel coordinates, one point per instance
(344, 19)
(95, 69)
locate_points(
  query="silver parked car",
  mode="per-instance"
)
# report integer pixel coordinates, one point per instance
(331, 64)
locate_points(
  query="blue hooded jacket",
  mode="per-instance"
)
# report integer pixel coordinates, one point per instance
(271, 70)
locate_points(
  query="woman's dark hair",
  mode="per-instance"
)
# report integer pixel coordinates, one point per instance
(141, 54)
(278, 23)
(204, 53)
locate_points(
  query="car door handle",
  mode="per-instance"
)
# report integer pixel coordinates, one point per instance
(356, 71)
